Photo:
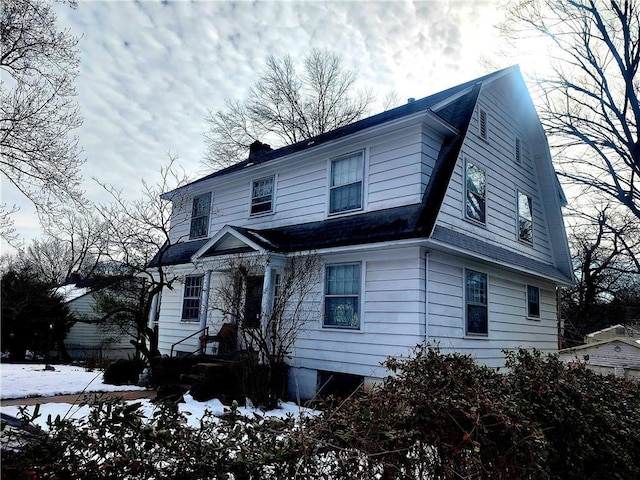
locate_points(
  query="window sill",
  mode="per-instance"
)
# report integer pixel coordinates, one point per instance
(345, 212)
(341, 329)
(476, 336)
(475, 222)
(533, 319)
(261, 214)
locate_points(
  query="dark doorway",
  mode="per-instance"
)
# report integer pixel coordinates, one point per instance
(253, 302)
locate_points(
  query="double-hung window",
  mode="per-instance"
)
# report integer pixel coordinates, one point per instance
(525, 218)
(346, 186)
(262, 196)
(342, 296)
(191, 298)
(533, 301)
(476, 303)
(200, 210)
(476, 192)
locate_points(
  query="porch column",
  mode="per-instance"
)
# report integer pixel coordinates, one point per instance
(265, 308)
(204, 299)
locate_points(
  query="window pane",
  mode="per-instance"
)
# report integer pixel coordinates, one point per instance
(200, 216)
(347, 170)
(525, 218)
(475, 186)
(191, 299)
(346, 198)
(262, 195)
(342, 296)
(477, 319)
(199, 227)
(346, 183)
(342, 312)
(343, 280)
(533, 301)
(476, 295)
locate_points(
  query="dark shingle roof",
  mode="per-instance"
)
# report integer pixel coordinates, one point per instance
(454, 113)
(404, 222)
(460, 241)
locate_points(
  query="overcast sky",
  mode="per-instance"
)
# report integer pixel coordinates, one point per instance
(150, 71)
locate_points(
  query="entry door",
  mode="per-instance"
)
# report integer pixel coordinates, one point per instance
(253, 302)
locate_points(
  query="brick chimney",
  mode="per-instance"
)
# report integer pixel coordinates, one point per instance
(257, 149)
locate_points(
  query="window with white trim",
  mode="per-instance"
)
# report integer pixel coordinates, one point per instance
(476, 191)
(476, 296)
(346, 185)
(533, 301)
(200, 210)
(525, 218)
(483, 125)
(342, 296)
(191, 298)
(262, 195)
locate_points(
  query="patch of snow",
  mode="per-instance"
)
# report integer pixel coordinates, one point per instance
(71, 292)
(20, 381)
(32, 380)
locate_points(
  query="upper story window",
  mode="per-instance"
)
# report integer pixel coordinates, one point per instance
(518, 151)
(191, 298)
(346, 188)
(525, 218)
(342, 296)
(476, 183)
(262, 195)
(200, 216)
(533, 301)
(476, 303)
(483, 127)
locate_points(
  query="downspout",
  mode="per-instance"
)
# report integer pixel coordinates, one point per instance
(426, 298)
(204, 307)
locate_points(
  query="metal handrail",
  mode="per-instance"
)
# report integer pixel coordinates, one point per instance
(204, 331)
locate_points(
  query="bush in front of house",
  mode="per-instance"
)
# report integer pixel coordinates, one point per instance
(124, 371)
(439, 416)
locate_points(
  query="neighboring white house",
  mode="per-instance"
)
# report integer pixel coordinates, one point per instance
(438, 221)
(88, 338)
(613, 351)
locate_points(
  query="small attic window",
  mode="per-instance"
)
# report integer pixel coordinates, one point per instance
(482, 124)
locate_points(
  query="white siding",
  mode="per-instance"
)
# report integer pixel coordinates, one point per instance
(394, 175)
(92, 340)
(505, 177)
(509, 326)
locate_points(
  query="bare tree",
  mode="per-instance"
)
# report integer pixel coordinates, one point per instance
(38, 111)
(285, 106)
(589, 104)
(270, 337)
(76, 244)
(139, 235)
(606, 252)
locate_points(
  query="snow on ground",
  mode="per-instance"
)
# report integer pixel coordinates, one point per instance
(21, 381)
(32, 380)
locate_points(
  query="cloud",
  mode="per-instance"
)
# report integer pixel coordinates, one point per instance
(151, 71)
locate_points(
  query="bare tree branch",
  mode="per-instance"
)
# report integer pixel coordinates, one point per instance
(37, 108)
(590, 105)
(285, 106)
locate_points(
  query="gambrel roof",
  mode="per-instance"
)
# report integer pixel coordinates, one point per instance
(454, 107)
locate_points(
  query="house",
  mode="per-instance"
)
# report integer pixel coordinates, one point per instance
(88, 337)
(611, 351)
(437, 221)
